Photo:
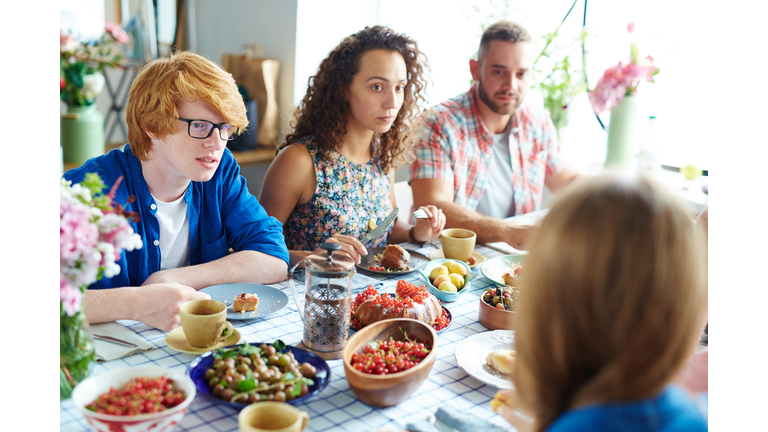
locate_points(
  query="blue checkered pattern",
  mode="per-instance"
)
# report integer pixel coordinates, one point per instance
(336, 408)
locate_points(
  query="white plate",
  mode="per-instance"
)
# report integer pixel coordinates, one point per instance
(493, 268)
(471, 352)
(271, 300)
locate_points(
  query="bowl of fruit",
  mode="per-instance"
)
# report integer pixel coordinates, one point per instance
(387, 361)
(497, 308)
(447, 279)
(139, 398)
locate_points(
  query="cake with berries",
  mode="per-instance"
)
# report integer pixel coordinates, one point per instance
(409, 302)
(395, 258)
(246, 302)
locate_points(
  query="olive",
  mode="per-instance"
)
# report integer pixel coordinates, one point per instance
(235, 381)
(218, 361)
(244, 360)
(499, 306)
(272, 359)
(253, 398)
(290, 354)
(270, 351)
(242, 368)
(308, 370)
(231, 372)
(255, 356)
(496, 300)
(227, 380)
(220, 372)
(276, 377)
(262, 369)
(509, 303)
(283, 360)
(274, 368)
(226, 394)
(213, 381)
(230, 362)
(260, 361)
(279, 387)
(304, 389)
(280, 396)
(217, 389)
(210, 373)
(289, 393)
(271, 397)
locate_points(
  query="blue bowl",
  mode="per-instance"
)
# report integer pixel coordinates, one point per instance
(196, 372)
(444, 295)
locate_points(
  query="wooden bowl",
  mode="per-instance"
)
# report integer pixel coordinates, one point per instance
(496, 319)
(391, 389)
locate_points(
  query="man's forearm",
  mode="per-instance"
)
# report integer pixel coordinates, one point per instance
(107, 305)
(243, 266)
(488, 229)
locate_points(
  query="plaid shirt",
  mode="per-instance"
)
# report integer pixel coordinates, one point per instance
(454, 145)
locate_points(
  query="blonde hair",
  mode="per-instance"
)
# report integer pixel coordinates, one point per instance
(614, 295)
(160, 88)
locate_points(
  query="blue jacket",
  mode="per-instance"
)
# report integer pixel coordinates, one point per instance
(222, 214)
(672, 410)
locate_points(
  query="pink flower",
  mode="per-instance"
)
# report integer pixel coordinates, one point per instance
(117, 32)
(70, 298)
(631, 27)
(77, 234)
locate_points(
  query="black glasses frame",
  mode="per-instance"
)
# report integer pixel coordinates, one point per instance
(210, 131)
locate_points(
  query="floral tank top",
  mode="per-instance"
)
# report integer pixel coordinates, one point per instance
(348, 196)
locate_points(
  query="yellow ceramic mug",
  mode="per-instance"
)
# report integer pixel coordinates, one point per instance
(272, 417)
(458, 243)
(203, 322)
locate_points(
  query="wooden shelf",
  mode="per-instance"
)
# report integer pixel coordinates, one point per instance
(254, 157)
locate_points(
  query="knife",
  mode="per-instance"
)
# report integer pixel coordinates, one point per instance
(114, 340)
(379, 230)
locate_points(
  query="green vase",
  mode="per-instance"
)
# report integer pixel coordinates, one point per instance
(622, 129)
(82, 133)
(77, 352)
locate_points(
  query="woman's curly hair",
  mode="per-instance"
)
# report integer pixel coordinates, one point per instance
(323, 111)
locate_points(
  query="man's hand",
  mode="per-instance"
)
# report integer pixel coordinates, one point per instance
(431, 227)
(157, 305)
(518, 236)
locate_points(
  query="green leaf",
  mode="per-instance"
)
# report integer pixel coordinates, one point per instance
(288, 376)
(231, 353)
(93, 183)
(279, 345)
(296, 392)
(248, 349)
(246, 385)
(306, 381)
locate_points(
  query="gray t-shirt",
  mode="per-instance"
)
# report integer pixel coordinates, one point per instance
(498, 199)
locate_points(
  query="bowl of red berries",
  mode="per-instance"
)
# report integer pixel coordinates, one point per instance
(138, 399)
(387, 361)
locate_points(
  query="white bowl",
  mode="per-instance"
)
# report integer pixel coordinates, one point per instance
(93, 387)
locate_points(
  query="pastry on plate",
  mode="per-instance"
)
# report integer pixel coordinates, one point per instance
(246, 302)
(410, 302)
(395, 258)
(503, 360)
(512, 278)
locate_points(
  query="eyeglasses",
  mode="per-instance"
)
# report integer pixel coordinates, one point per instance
(202, 129)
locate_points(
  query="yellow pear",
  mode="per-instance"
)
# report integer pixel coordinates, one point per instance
(437, 271)
(440, 279)
(457, 280)
(459, 269)
(448, 287)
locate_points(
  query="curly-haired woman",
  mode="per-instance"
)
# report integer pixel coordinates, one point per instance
(332, 179)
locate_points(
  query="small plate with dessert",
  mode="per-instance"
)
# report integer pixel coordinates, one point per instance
(392, 260)
(504, 270)
(489, 357)
(247, 301)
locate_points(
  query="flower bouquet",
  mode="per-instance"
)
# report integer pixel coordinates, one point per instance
(93, 233)
(615, 91)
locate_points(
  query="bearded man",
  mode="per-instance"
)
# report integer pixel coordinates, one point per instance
(485, 155)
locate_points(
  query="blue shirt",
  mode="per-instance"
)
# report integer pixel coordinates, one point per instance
(222, 214)
(672, 410)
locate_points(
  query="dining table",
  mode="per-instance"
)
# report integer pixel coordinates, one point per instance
(336, 408)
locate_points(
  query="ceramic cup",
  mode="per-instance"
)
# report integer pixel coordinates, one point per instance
(203, 322)
(458, 243)
(272, 417)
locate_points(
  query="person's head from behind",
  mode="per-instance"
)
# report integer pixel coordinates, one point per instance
(188, 86)
(372, 81)
(503, 67)
(614, 297)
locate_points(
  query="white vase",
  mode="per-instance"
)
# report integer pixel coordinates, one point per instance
(622, 129)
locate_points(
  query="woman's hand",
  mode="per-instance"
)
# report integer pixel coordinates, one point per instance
(508, 402)
(349, 245)
(429, 228)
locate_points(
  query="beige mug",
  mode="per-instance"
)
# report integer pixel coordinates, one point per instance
(272, 417)
(458, 243)
(203, 322)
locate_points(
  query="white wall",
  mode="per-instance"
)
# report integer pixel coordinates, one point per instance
(223, 26)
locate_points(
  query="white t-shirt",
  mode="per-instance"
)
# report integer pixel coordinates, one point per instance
(498, 199)
(174, 233)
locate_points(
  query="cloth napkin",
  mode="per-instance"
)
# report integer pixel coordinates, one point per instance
(453, 419)
(359, 281)
(107, 351)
